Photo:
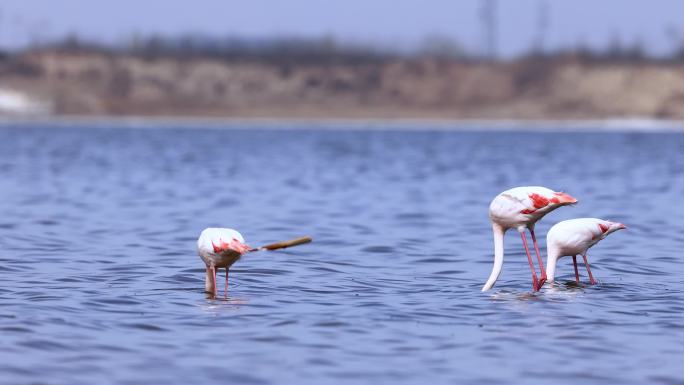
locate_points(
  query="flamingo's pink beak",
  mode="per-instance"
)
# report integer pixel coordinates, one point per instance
(564, 198)
(621, 226)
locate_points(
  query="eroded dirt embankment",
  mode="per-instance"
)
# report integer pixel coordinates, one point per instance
(101, 84)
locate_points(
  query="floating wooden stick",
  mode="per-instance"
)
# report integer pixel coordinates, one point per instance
(284, 244)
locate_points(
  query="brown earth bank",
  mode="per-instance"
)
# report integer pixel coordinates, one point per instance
(98, 84)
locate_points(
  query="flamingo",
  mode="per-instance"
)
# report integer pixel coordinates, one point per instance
(219, 248)
(574, 237)
(520, 208)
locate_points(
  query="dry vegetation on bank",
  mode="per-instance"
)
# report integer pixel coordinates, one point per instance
(93, 82)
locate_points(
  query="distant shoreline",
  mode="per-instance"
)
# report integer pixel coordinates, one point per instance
(406, 90)
(362, 124)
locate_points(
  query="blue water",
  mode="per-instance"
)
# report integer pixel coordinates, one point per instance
(100, 282)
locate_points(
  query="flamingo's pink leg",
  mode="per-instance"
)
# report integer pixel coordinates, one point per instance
(535, 282)
(539, 258)
(574, 262)
(586, 264)
(225, 289)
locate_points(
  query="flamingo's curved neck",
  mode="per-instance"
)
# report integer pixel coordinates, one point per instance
(210, 280)
(498, 256)
(551, 260)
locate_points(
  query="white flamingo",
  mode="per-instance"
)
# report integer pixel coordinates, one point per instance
(520, 208)
(574, 237)
(219, 248)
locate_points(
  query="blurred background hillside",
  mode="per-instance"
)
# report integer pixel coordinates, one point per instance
(488, 59)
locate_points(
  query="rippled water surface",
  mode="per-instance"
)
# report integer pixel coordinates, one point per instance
(100, 281)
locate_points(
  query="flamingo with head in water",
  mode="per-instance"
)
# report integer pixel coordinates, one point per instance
(219, 248)
(574, 237)
(520, 208)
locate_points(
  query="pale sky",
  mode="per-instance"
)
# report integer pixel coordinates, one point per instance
(398, 23)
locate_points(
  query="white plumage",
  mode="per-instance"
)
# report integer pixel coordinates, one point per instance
(520, 208)
(574, 237)
(219, 248)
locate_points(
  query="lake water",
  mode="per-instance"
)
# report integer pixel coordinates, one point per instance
(100, 282)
